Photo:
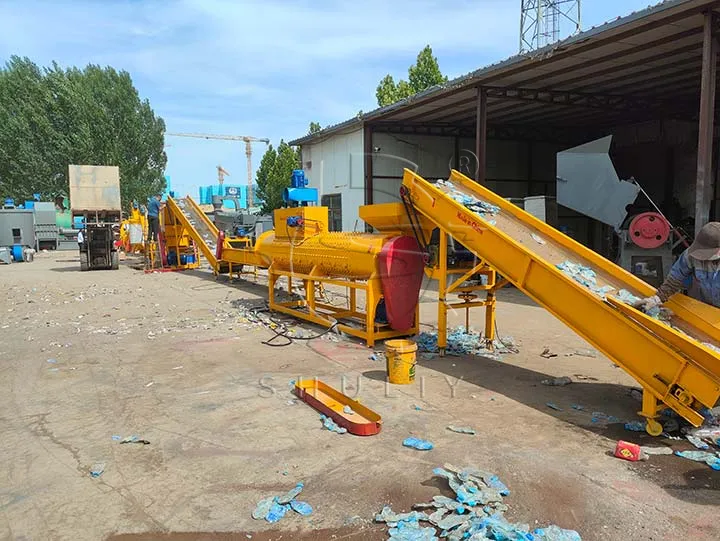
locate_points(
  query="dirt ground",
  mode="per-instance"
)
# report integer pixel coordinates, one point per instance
(88, 356)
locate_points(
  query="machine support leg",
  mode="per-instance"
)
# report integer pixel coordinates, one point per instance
(353, 300)
(442, 289)
(649, 411)
(373, 298)
(490, 319)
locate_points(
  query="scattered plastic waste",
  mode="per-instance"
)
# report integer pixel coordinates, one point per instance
(416, 407)
(711, 459)
(274, 508)
(705, 432)
(291, 494)
(604, 418)
(417, 443)
(555, 533)
(635, 426)
(697, 443)
(461, 342)
(537, 238)
(302, 508)
(628, 298)
(557, 382)
(97, 469)
(263, 508)
(461, 429)
(582, 353)
(478, 206)
(373, 357)
(276, 512)
(134, 439)
(547, 353)
(656, 450)
(553, 406)
(476, 513)
(331, 425)
(115, 437)
(584, 276)
(347, 410)
(52, 361)
(577, 407)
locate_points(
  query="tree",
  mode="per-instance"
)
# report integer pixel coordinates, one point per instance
(314, 128)
(273, 175)
(421, 75)
(53, 117)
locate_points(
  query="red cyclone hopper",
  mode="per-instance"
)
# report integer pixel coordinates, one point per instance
(401, 265)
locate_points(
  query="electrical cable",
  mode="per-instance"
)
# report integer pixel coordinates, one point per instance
(283, 333)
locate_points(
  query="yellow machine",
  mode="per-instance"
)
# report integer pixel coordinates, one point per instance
(678, 365)
(133, 231)
(301, 248)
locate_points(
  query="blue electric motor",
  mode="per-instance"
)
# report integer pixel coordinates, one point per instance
(298, 193)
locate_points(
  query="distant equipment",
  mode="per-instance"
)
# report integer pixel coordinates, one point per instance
(588, 183)
(543, 21)
(95, 203)
(222, 173)
(248, 153)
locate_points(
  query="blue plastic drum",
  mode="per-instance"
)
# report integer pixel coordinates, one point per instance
(17, 252)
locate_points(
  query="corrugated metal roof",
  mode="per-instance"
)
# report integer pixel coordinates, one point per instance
(664, 39)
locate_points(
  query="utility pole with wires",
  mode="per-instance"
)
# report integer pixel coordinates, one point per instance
(543, 21)
(248, 140)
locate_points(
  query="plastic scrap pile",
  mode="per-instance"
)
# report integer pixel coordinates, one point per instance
(588, 278)
(274, 508)
(478, 206)
(461, 342)
(476, 513)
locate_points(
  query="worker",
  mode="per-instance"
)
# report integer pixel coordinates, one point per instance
(699, 263)
(153, 216)
(80, 239)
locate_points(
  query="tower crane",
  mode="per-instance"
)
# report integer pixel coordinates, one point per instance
(248, 152)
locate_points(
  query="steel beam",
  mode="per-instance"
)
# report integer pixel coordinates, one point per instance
(368, 162)
(703, 183)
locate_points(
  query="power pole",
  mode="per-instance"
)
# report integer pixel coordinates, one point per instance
(248, 153)
(542, 22)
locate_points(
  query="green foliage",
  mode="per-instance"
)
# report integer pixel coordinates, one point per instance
(273, 175)
(53, 117)
(421, 75)
(314, 128)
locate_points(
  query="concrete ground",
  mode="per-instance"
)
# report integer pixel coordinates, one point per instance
(165, 357)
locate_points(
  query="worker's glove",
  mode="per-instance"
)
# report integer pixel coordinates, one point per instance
(648, 303)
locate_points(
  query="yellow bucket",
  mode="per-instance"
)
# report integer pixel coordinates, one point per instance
(400, 355)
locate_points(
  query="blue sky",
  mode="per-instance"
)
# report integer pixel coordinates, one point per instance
(263, 68)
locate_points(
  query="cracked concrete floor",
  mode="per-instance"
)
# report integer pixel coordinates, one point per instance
(164, 356)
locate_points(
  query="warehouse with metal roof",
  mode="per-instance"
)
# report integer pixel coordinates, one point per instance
(647, 79)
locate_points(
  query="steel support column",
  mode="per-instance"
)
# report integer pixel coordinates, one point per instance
(481, 135)
(704, 181)
(368, 163)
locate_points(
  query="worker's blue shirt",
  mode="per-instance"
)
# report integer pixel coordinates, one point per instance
(153, 208)
(705, 274)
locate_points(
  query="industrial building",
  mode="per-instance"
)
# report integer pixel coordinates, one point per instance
(647, 79)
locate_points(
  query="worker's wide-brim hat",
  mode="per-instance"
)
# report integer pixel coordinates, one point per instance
(707, 243)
